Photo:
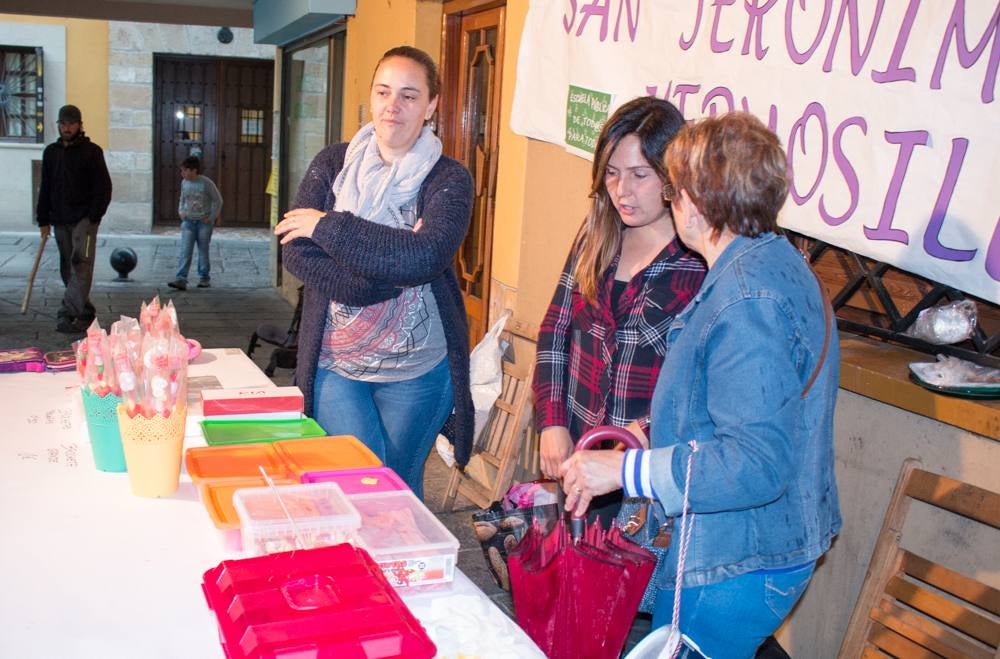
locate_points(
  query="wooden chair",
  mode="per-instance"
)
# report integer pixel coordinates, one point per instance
(912, 607)
(498, 447)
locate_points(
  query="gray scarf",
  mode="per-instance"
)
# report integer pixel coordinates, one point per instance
(375, 190)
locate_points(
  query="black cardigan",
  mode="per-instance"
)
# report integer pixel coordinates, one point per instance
(357, 262)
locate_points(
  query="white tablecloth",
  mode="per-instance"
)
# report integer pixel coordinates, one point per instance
(91, 570)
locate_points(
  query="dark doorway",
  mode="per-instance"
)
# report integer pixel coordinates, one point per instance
(218, 109)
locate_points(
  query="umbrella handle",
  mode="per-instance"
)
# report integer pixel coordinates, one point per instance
(602, 433)
(589, 439)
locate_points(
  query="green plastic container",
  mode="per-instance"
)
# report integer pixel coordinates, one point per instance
(220, 433)
(101, 413)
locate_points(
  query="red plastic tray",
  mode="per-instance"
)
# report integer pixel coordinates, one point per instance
(312, 604)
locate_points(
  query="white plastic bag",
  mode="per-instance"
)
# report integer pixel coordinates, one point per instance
(485, 380)
(486, 371)
(662, 643)
(947, 324)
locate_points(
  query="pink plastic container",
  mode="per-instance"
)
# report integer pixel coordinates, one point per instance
(311, 604)
(359, 481)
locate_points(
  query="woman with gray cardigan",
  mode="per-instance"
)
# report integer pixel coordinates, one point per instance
(383, 341)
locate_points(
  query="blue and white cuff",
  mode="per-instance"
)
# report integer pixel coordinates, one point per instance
(635, 474)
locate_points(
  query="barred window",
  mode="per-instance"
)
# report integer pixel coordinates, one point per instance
(251, 126)
(189, 123)
(22, 112)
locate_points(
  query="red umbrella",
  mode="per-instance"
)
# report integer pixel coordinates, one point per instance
(576, 598)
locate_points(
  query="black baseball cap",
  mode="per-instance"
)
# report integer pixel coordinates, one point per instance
(70, 114)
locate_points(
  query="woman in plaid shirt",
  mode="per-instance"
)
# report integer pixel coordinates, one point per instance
(602, 341)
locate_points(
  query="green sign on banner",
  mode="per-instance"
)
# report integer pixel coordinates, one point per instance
(586, 112)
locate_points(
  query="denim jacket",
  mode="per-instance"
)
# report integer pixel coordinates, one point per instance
(762, 482)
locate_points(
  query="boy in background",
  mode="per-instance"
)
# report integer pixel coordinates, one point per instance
(200, 205)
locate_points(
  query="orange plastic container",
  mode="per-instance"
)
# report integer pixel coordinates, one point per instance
(324, 454)
(234, 462)
(218, 499)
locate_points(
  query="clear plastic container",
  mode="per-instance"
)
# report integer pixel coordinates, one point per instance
(321, 513)
(410, 545)
(217, 497)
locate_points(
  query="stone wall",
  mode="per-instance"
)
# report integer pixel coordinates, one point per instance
(129, 151)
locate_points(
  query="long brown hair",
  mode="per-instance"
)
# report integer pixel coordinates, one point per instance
(655, 122)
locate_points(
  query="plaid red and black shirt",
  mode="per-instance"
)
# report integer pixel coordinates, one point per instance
(598, 366)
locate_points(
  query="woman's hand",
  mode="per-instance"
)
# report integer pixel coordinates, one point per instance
(554, 447)
(588, 474)
(298, 223)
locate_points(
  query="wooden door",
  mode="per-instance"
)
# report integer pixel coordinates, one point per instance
(470, 128)
(218, 109)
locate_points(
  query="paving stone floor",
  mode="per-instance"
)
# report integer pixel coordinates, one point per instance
(222, 316)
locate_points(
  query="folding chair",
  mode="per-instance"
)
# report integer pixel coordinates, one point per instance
(498, 447)
(285, 341)
(912, 607)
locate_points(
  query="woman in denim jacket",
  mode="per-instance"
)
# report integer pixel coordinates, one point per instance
(747, 402)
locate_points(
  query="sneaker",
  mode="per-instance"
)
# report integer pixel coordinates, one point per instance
(204, 283)
(179, 284)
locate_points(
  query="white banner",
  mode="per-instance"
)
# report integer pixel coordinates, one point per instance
(887, 109)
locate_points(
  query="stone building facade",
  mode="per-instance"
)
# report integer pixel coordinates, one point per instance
(129, 151)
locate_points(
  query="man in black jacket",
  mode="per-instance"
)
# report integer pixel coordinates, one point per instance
(73, 197)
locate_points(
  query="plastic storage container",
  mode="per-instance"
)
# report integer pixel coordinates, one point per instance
(217, 496)
(412, 547)
(236, 462)
(359, 481)
(321, 513)
(327, 602)
(303, 456)
(259, 430)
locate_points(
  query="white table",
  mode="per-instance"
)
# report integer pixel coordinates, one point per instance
(89, 569)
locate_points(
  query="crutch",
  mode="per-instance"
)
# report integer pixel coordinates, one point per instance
(31, 277)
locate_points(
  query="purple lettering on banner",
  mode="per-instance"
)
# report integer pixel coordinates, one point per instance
(932, 236)
(893, 72)
(966, 56)
(717, 92)
(595, 8)
(772, 115)
(993, 254)
(907, 140)
(814, 109)
(848, 171)
(654, 90)
(632, 18)
(683, 91)
(849, 8)
(797, 56)
(720, 46)
(569, 20)
(685, 44)
(756, 12)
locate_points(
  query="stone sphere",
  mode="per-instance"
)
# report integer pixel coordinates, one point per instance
(123, 260)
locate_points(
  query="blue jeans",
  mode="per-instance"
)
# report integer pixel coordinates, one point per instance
(398, 421)
(194, 231)
(730, 619)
